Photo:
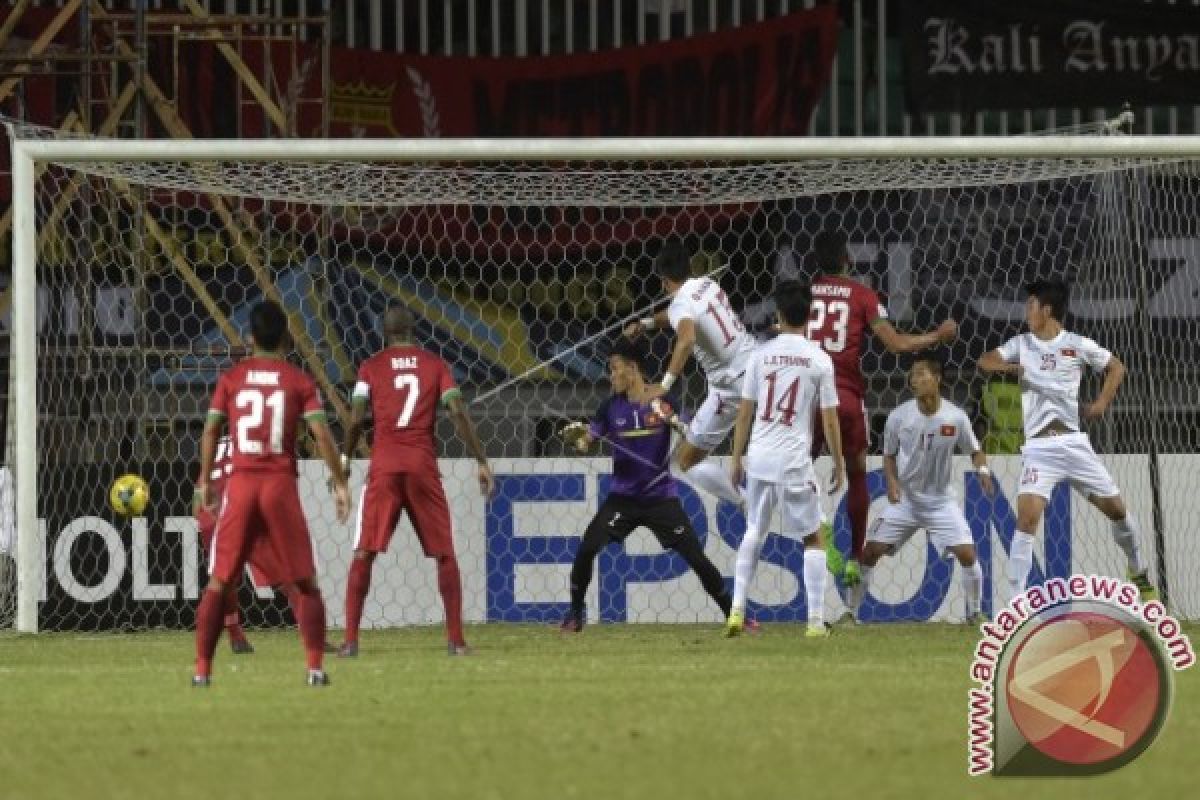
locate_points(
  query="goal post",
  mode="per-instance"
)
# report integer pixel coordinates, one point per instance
(437, 178)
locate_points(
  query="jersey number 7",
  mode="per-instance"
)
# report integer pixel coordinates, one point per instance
(407, 383)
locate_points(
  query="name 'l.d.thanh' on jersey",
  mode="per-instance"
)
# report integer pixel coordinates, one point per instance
(788, 378)
(924, 446)
(722, 343)
(640, 441)
(1051, 374)
(263, 400)
(404, 386)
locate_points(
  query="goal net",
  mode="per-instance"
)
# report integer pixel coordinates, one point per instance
(520, 273)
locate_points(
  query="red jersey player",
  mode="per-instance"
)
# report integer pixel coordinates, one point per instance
(403, 385)
(261, 562)
(843, 310)
(262, 399)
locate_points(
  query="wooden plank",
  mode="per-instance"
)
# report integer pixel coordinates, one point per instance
(39, 45)
(10, 22)
(244, 72)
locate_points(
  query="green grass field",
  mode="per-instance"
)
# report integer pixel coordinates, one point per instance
(620, 711)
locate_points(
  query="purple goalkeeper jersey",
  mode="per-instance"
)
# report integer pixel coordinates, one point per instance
(640, 441)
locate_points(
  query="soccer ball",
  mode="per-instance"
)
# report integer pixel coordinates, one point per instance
(129, 495)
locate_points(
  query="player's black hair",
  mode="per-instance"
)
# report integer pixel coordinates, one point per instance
(673, 261)
(1052, 293)
(633, 350)
(829, 251)
(792, 300)
(268, 325)
(397, 321)
(931, 361)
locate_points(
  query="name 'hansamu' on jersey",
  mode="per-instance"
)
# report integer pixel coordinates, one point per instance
(924, 446)
(722, 343)
(1052, 372)
(842, 312)
(263, 400)
(404, 386)
(788, 378)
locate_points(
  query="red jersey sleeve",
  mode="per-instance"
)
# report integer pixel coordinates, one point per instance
(446, 384)
(869, 307)
(311, 402)
(220, 399)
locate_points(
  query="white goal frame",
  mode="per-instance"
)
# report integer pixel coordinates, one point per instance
(26, 154)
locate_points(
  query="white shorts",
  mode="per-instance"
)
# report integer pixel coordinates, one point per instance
(799, 503)
(945, 523)
(714, 419)
(1050, 460)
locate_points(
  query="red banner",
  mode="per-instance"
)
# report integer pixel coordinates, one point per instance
(758, 80)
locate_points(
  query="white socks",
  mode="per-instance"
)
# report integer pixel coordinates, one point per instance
(972, 584)
(814, 583)
(1020, 562)
(1126, 535)
(858, 592)
(747, 561)
(710, 476)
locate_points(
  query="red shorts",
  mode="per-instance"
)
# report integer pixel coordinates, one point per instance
(263, 568)
(262, 523)
(421, 495)
(852, 419)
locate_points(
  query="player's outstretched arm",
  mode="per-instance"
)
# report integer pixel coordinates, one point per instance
(329, 454)
(993, 363)
(466, 432)
(208, 453)
(897, 342)
(833, 438)
(655, 322)
(1114, 374)
(741, 435)
(685, 339)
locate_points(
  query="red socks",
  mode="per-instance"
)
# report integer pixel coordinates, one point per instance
(312, 625)
(450, 585)
(357, 586)
(858, 502)
(208, 629)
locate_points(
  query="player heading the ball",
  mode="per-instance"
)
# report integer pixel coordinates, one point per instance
(706, 326)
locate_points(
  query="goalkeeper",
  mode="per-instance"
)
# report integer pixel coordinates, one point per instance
(642, 493)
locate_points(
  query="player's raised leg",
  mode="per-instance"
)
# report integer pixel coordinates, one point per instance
(1126, 534)
(1030, 508)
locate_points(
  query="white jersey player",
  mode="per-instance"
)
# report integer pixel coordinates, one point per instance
(786, 380)
(705, 326)
(1049, 362)
(919, 443)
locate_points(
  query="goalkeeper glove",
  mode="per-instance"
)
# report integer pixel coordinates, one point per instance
(575, 434)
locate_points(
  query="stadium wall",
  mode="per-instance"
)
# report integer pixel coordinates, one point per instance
(103, 572)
